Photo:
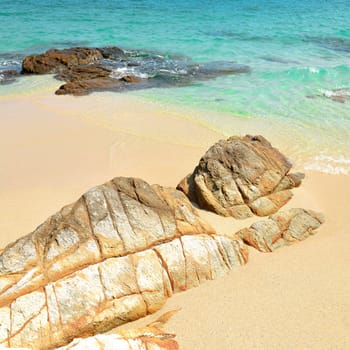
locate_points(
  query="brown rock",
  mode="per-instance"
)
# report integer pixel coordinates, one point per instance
(113, 256)
(282, 228)
(241, 176)
(94, 77)
(54, 61)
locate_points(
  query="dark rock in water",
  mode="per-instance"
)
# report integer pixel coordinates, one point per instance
(278, 60)
(83, 87)
(112, 52)
(213, 69)
(8, 76)
(95, 77)
(331, 43)
(112, 68)
(337, 95)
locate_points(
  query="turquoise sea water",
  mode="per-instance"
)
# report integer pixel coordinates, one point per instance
(296, 50)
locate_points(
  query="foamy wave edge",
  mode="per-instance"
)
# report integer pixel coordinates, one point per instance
(329, 165)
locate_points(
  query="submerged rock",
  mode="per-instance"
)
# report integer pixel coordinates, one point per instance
(112, 68)
(282, 228)
(113, 256)
(241, 176)
(330, 43)
(341, 95)
(8, 76)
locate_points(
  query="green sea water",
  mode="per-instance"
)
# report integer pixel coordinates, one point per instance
(298, 52)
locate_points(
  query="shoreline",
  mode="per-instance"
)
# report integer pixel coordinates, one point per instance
(284, 133)
(294, 298)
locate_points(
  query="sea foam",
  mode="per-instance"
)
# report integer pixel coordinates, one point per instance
(330, 165)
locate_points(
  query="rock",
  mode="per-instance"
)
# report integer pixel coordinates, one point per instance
(54, 61)
(217, 68)
(112, 52)
(241, 176)
(150, 337)
(341, 95)
(8, 76)
(139, 339)
(337, 95)
(113, 256)
(84, 79)
(84, 87)
(282, 228)
(114, 69)
(80, 68)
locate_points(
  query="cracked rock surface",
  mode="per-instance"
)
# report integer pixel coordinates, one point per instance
(113, 256)
(149, 338)
(282, 228)
(241, 176)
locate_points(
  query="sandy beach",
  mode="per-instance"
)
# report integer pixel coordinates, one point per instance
(55, 148)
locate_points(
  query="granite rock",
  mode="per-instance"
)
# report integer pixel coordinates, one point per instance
(241, 176)
(113, 256)
(282, 228)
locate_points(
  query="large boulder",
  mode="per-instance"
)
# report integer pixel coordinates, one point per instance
(282, 228)
(241, 176)
(113, 256)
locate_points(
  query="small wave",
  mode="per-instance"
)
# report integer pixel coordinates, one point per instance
(9, 63)
(124, 71)
(330, 165)
(336, 93)
(314, 70)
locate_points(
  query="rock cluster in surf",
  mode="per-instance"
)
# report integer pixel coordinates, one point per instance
(111, 68)
(124, 247)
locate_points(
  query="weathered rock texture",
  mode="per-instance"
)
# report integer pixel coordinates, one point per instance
(113, 256)
(282, 228)
(112, 68)
(55, 61)
(80, 67)
(149, 338)
(241, 176)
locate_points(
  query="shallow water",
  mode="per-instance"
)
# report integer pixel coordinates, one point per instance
(299, 52)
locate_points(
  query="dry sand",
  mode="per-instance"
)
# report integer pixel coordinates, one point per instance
(52, 149)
